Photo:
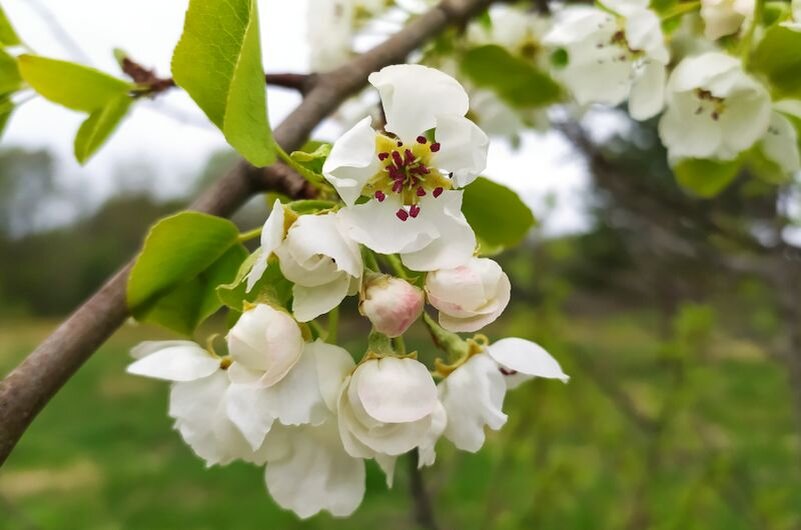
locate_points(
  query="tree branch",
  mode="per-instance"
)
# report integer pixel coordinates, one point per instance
(423, 510)
(30, 386)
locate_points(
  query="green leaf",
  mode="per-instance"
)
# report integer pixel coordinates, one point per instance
(705, 178)
(496, 213)
(10, 79)
(514, 79)
(184, 258)
(778, 56)
(218, 62)
(8, 37)
(99, 126)
(312, 155)
(72, 85)
(272, 288)
(6, 108)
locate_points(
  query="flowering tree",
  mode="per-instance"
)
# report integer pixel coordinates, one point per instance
(393, 213)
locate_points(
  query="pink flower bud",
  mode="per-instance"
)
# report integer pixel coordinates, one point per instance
(391, 304)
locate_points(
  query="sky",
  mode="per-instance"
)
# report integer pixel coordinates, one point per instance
(171, 135)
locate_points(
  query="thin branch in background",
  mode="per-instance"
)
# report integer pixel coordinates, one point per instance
(423, 509)
(59, 33)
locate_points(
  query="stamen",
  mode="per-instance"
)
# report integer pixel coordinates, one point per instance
(421, 139)
(435, 147)
(380, 196)
(383, 156)
(408, 156)
(402, 214)
(400, 144)
(397, 187)
(414, 210)
(421, 192)
(395, 173)
(437, 192)
(396, 157)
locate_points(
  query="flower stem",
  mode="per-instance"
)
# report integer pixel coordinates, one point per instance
(748, 38)
(395, 262)
(369, 257)
(681, 9)
(400, 345)
(317, 328)
(314, 179)
(250, 234)
(333, 326)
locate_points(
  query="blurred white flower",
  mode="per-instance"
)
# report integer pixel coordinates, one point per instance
(612, 57)
(272, 233)
(518, 30)
(407, 177)
(714, 109)
(780, 143)
(324, 265)
(470, 296)
(725, 17)
(198, 399)
(391, 304)
(386, 408)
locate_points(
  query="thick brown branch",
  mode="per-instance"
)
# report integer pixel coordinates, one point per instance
(30, 386)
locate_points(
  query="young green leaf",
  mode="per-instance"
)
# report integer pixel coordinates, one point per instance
(272, 288)
(184, 258)
(8, 37)
(96, 129)
(72, 85)
(705, 178)
(218, 62)
(496, 213)
(515, 80)
(10, 79)
(778, 56)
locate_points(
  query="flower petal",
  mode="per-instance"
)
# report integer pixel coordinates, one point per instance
(463, 149)
(394, 390)
(310, 302)
(352, 161)
(272, 233)
(526, 357)
(647, 96)
(314, 473)
(296, 399)
(334, 364)
(247, 407)
(173, 361)
(375, 225)
(413, 96)
(312, 236)
(427, 455)
(780, 143)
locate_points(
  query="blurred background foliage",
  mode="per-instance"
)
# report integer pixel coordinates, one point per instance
(677, 318)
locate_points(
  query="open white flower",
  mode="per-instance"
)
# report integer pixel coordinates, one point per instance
(198, 399)
(469, 296)
(386, 408)
(409, 179)
(521, 360)
(714, 109)
(324, 265)
(725, 17)
(613, 57)
(308, 469)
(780, 144)
(518, 30)
(272, 233)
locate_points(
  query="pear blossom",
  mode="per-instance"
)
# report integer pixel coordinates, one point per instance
(272, 233)
(308, 469)
(469, 296)
(388, 407)
(199, 397)
(410, 179)
(391, 304)
(613, 57)
(324, 264)
(473, 394)
(780, 144)
(519, 31)
(714, 109)
(725, 17)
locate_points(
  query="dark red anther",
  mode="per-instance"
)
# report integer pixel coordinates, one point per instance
(379, 195)
(506, 371)
(437, 192)
(400, 144)
(408, 156)
(396, 157)
(414, 210)
(397, 186)
(421, 139)
(435, 147)
(402, 214)
(421, 192)
(383, 156)
(395, 173)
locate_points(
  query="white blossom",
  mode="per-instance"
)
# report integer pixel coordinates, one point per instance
(413, 208)
(521, 360)
(391, 304)
(714, 109)
(725, 17)
(612, 57)
(324, 265)
(469, 296)
(272, 233)
(780, 143)
(519, 31)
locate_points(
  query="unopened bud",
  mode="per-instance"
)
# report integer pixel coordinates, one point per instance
(391, 304)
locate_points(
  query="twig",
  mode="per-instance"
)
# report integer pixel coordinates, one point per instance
(423, 511)
(30, 386)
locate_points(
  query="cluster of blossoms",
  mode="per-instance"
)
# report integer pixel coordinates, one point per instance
(303, 407)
